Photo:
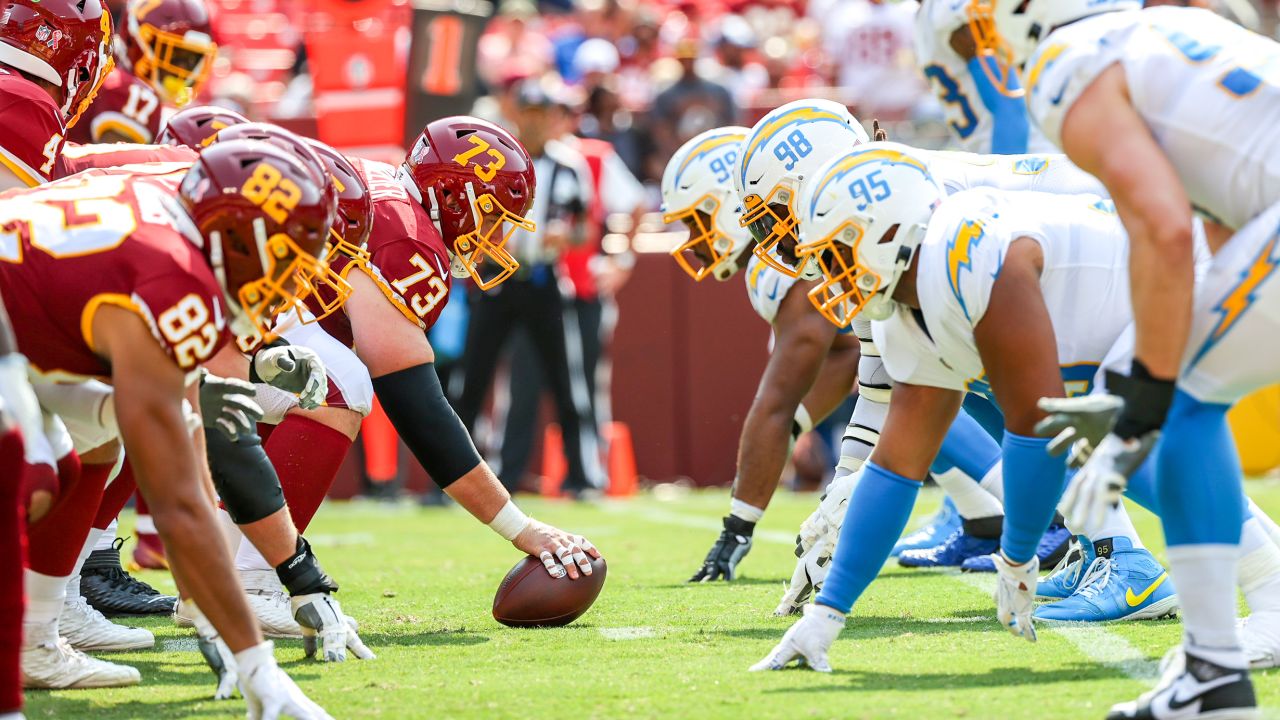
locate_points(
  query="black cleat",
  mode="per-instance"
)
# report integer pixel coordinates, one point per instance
(1193, 689)
(114, 592)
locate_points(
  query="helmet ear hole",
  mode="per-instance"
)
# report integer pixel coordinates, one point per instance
(889, 235)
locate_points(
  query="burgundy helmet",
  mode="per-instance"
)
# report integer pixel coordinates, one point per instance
(477, 182)
(168, 44)
(355, 204)
(195, 126)
(266, 220)
(63, 42)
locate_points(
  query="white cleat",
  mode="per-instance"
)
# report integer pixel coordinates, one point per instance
(48, 661)
(180, 616)
(1260, 635)
(87, 629)
(270, 603)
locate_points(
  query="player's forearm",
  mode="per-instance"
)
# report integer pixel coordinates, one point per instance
(166, 469)
(1162, 280)
(479, 493)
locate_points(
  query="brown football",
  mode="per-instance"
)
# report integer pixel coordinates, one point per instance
(529, 597)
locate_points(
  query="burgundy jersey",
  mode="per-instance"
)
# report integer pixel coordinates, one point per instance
(106, 237)
(33, 130)
(78, 158)
(124, 105)
(407, 254)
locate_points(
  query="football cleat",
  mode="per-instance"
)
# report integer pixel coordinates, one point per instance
(1053, 547)
(935, 532)
(1260, 635)
(49, 661)
(270, 603)
(148, 553)
(730, 548)
(1191, 688)
(807, 641)
(960, 546)
(1122, 583)
(114, 592)
(181, 618)
(87, 629)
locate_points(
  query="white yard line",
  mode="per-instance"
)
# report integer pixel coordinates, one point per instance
(627, 633)
(1093, 641)
(179, 645)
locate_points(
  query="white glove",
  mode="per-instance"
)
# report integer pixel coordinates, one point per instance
(216, 653)
(268, 692)
(17, 400)
(1015, 596)
(295, 369)
(227, 404)
(807, 641)
(827, 519)
(1097, 487)
(321, 617)
(806, 580)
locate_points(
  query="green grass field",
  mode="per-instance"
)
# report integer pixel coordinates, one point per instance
(421, 581)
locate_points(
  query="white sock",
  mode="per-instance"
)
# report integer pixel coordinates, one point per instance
(1116, 523)
(993, 481)
(45, 595)
(970, 498)
(743, 511)
(145, 525)
(108, 537)
(248, 558)
(1259, 571)
(90, 543)
(1269, 525)
(230, 531)
(1205, 576)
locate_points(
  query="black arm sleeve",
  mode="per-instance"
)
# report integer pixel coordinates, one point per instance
(416, 405)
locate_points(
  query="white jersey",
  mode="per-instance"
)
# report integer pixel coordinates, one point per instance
(952, 80)
(1085, 283)
(1037, 173)
(766, 288)
(1208, 89)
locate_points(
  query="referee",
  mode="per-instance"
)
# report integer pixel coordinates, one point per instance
(532, 298)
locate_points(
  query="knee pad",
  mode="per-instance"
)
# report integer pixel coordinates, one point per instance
(243, 476)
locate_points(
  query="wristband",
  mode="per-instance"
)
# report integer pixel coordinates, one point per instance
(509, 522)
(801, 423)
(1146, 400)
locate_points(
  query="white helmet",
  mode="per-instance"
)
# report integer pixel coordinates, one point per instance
(786, 146)
(1015, 27)
(696, 190)
(862, 216)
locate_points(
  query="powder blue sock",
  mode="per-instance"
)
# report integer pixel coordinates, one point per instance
(1033, 484)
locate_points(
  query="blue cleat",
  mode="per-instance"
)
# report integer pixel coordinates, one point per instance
(1053, 547)
(1065, 578)
(935, 532)
(1121, 583)
(959, 547)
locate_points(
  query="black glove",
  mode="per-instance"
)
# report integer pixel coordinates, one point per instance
(733, 544)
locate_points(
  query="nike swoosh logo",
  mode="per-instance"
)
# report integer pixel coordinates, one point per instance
(773, 294)
(1057, 99)
(1136, 600)
(1177, 703)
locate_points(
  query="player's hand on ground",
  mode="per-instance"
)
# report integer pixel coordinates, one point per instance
(1097, 487)
(1015, 596)
(721, 562)
(826, 520)
(806, 580)
(219, 658)
(294, 369)
(1078, 424)
(807, 641)
(227, 405)
(268, 692)
(327, 633)
(560, 552)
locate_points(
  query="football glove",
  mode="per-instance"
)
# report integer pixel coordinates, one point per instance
(1078, 424)
(268, 692)
(227, 405)
(1015, 596)
(324, 626)
(806, 580)
(1097, 487)
(733, 544)
(216, 653)
(807, 641)
(294, 369)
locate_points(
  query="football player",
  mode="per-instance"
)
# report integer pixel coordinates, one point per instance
(811, 365)
(445, 212)
(155, 270)
(164, 54)
(1007, 294)
(982, 119)
(53, 56)
(1170, 108)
